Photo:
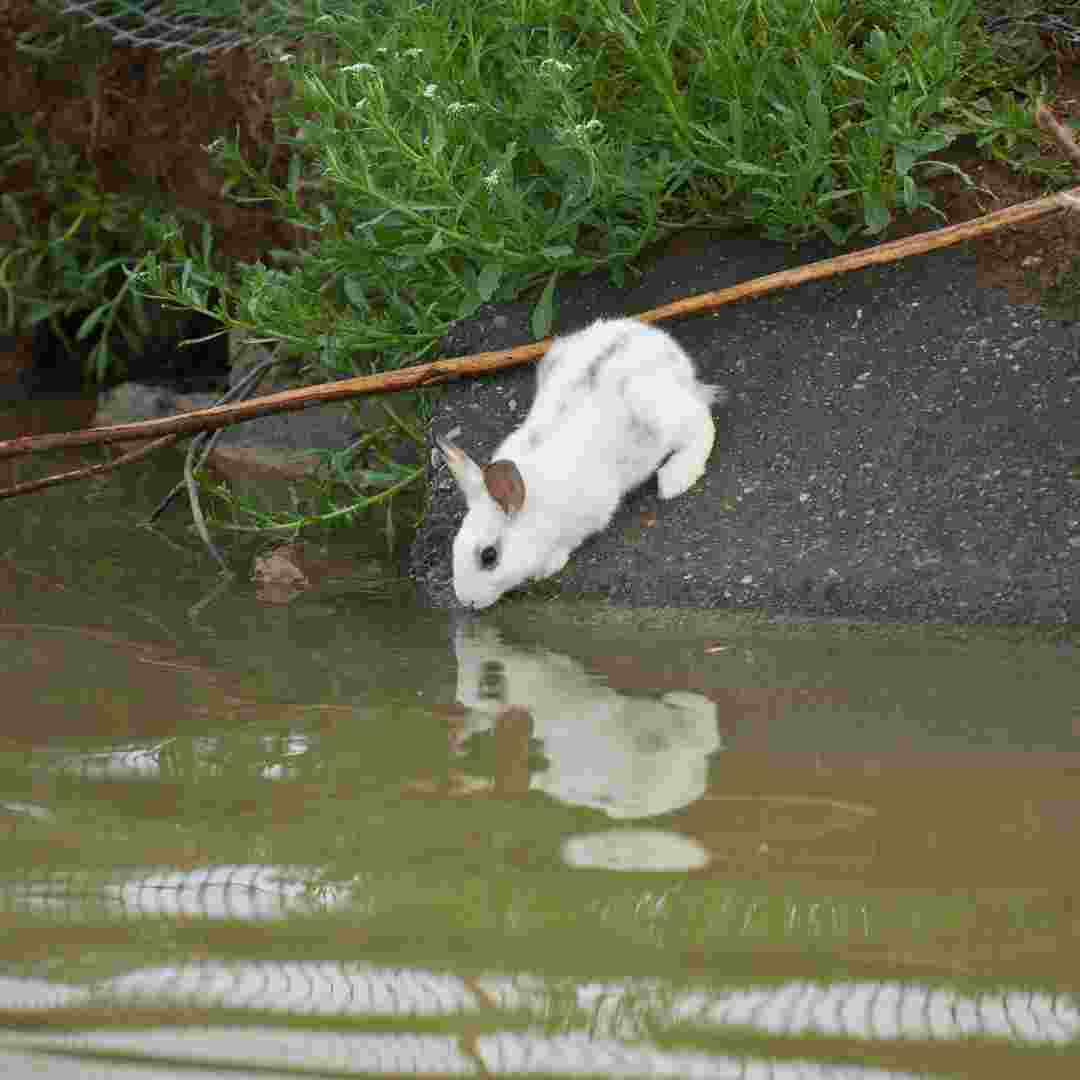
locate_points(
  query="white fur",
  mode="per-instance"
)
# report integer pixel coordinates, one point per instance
(614, 403)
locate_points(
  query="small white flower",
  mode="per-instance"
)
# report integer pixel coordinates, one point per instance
(356, 69)
(491, 181)
(430, 90)
(456, 107)
(579, 133)
(551, 65)
(382, 50)
(412, 54)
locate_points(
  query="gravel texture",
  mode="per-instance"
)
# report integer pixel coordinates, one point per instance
(899, 445)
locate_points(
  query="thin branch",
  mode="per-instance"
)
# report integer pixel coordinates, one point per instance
(1061, 134)
(129, 458)
(204, 442)
(196, 508)
(893, 251)
(199, 450)
(28, 486)
(440, 371)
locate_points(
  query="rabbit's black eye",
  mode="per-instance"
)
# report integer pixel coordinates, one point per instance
(489, 556)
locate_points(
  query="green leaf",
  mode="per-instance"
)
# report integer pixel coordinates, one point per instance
(904, 159)
(354, 291)
(910, 194)
(559, 251)
(438, 139)
(911, 151)
(91, 320)
(470, 304)
(40, 310)
(851, 73)
(748, 168)
(875, 214)
(104, 268)
(832, 196)
(878, 44)
(819, 116)
(544, 313)
(140, 317)
(736, 125)
(488, 281)
(836, 234)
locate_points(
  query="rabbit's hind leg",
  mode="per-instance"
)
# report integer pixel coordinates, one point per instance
(692, 445)
(677, 414)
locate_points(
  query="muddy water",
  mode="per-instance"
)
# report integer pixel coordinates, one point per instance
(246, 829)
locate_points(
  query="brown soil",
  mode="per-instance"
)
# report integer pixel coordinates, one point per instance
(1031, 262)
(139, 127)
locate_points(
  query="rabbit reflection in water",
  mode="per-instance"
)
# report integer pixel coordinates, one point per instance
(631, 756)
(614, 403)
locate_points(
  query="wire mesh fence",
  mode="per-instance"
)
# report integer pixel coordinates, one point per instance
(171, 25)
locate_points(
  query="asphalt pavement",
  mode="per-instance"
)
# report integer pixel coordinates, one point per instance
(900, 444)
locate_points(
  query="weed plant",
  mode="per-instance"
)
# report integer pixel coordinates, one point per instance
(448, 155)
(365, 471)
(72, 260)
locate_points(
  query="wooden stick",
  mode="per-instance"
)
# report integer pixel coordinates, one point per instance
(1061, 134)
(439, 371)
(130, 457)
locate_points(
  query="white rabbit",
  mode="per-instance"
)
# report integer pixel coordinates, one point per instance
(614, 403)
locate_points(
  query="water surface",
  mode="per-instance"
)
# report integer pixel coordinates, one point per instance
(325, 830)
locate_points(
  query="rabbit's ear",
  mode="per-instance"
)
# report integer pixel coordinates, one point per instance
(505, 485)
(469, 475)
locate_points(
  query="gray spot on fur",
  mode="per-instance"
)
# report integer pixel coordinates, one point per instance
(641, 431)
(597, 364)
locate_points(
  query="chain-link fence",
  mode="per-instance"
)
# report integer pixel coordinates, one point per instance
(172, 25)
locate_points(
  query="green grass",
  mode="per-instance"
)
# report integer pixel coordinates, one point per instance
(447, 155)
(71, 261)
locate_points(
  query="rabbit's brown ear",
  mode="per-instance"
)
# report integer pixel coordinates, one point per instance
(505, 485)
